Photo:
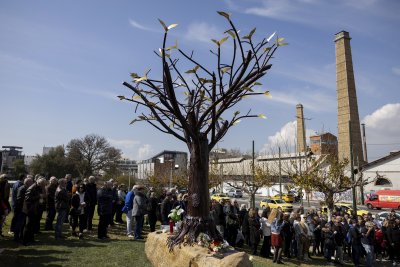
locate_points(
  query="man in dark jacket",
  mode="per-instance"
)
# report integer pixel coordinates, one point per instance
(139, 209)
(393, 235)
(14, 192)
(355, 240)
(51, 208)
(61, 205)
(19, 204)
(91, 191)
(31, 209)
(104, 209)
(152, 211)
(166, 207)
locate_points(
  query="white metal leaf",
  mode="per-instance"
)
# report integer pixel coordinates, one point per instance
(271, 36)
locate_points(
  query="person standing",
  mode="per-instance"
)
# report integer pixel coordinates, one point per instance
(355, 241)
(232, 223)
(68, 187)
(61, 201)
(104, 209)
(14, 191)
(31, 209)
(120, 203)
(91, 191)
(152, 211)
(114, 192)
(78, 212)
(166, 207)
(139, 209)
(19, 204)
(128, 210)
(276, 238)
(367, 241)
(255, 226)
(266, 231)
(5, 206)
(50, 202)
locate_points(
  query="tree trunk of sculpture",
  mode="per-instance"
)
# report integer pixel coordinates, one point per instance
(198, 219)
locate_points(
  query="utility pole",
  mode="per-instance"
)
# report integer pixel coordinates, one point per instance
(253, 201)
(365, 156)
(353, 189)
(280, 174)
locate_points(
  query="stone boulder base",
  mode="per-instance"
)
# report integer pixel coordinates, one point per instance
(194, 256)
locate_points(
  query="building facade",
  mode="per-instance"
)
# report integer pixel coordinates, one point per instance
(325, 143)
(164, 163)
(384, 173)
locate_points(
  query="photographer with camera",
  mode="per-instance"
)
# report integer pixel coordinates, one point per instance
(367, 241)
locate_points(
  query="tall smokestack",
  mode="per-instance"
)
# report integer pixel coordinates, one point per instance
(347, 100)
(301, 136)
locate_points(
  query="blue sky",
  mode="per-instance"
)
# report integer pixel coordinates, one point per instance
(62, 64)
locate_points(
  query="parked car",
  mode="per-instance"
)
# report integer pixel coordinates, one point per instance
(287, 197)
(384, 214)
(235, 193)
(276, 204)
(384, 199)
(220, 196)
(346, 207)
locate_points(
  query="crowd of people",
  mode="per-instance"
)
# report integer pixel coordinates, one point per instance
(64, 201)
(302, 235)
(269, 233)
(74, 203)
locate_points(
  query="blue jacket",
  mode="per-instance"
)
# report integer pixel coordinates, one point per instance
(128, 202)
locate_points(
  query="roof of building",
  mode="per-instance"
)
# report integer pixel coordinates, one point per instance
(168, 152)
(392, 155)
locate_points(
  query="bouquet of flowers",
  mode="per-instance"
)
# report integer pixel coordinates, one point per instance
(175, 214)
(214, 245)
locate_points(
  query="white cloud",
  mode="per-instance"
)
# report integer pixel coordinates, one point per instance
(383, 131)
(145, 151)
(123, 143)
(396, 70)
(385, 120)
(284, 138)
(202, 32)
(282, 10)
(314, 100)
(139, 26)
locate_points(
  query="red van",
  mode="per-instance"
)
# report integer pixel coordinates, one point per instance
(384, 199)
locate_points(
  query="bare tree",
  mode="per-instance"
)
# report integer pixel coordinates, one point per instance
(260, 176)
(194, 110)
(92, 154)
(327, 175)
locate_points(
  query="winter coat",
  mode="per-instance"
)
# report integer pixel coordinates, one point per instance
(393, 235)
(104, 201)
(61, 199)
(355, 236)
(76, 204)
(32, 200)
(166, 207)
(254, 225)
(140, 203)
(19, 202)
(51, 194)
(15, 188)
(91, 191)
(128, 202)
(339, 235)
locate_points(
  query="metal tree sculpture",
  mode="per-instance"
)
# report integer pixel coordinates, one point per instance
(193, 111)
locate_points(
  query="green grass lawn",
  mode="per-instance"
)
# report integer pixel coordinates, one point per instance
(117, 251)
